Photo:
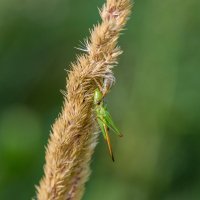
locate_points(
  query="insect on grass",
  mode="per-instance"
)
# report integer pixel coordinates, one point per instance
(103, 117)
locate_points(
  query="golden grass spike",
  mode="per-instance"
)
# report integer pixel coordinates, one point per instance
(73, 136)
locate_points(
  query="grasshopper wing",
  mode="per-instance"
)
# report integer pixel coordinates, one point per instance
(101, 125)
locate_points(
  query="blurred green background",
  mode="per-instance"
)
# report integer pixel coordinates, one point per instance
(155, 102)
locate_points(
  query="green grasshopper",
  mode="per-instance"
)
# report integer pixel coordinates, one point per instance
(104, 118)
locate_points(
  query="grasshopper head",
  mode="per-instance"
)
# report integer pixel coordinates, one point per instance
(97, 96)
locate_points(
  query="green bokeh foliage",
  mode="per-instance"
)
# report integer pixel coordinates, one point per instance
(155, 102)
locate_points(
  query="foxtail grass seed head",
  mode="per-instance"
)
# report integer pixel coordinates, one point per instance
(75, 131)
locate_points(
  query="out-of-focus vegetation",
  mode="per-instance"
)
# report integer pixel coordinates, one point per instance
(155, 103)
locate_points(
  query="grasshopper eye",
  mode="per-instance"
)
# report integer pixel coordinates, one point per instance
(98, 103)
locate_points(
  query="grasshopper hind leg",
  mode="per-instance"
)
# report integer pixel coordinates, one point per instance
(109, 143)
(104, 130)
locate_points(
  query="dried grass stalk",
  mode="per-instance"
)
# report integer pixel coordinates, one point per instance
(73, 137)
